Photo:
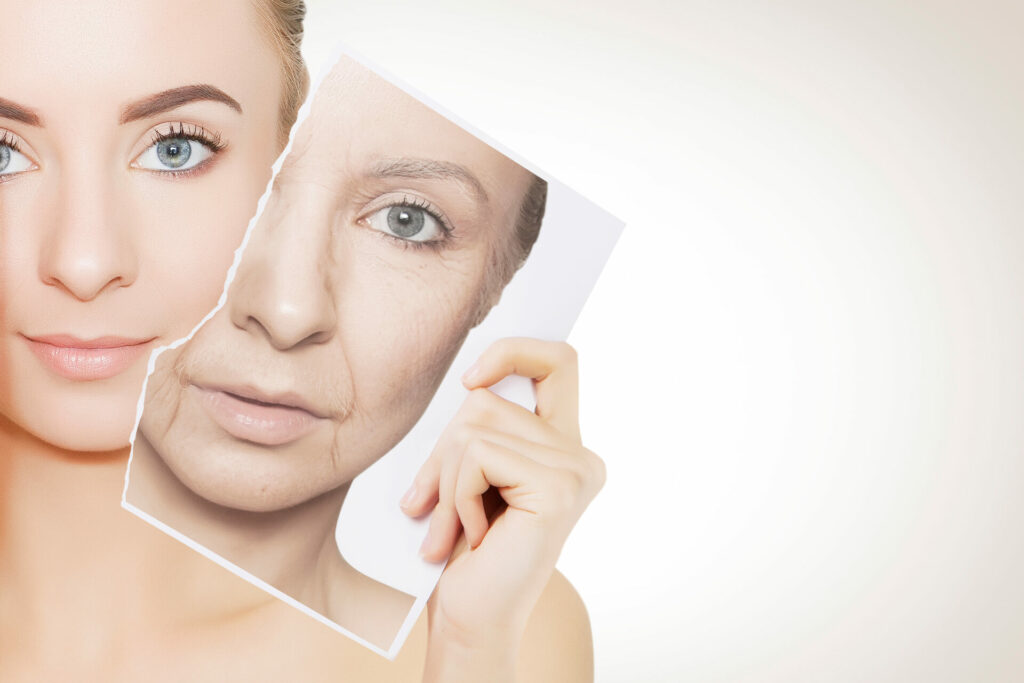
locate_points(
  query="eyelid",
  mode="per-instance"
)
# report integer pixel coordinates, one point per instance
(179, 129)
(170, 129)
(189, 131)
(408, 198)
(11, 139)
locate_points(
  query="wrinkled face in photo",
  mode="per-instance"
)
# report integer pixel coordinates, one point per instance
(389, 234)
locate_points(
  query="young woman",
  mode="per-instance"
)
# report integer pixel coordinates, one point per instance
(133, 145)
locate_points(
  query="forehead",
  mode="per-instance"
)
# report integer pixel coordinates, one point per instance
(81, 56)
(359, 118)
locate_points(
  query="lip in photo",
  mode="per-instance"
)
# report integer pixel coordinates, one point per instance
(85, 360)
(255, 416)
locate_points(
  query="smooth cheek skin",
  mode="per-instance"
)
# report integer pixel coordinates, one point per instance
(162, 244)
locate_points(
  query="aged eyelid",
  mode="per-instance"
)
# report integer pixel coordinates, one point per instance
(430, 169)
(406, 198)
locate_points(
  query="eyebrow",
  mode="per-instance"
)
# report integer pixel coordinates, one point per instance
(16, 112)
(174, 98)
(429, 169)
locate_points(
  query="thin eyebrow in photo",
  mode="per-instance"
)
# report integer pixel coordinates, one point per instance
(430, 169)
(174, 98)
(16, 112)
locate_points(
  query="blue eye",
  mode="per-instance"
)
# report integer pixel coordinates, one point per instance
(408, 222)
(174, 154)
(11, 160)
(180, 148)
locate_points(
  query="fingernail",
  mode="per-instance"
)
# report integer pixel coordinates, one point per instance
(470, 375)
(425, 546)
(408, 497)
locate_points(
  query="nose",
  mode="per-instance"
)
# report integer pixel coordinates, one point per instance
(87, 250)
(283, 288)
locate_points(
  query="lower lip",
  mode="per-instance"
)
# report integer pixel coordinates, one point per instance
(268, 425)
(87, 364)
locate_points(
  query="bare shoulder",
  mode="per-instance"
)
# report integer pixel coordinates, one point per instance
(557, 645)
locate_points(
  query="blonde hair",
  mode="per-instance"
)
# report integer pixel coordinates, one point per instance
(510, 254)
(282, 19)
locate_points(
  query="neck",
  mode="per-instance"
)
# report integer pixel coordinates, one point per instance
(79, 573)
(293, 550)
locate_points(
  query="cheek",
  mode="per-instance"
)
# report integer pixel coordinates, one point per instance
(405, 325)
(190, 234)
(163, 398)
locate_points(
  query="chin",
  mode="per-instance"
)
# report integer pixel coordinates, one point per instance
(243, 477)
(95, 425)
(84, 417)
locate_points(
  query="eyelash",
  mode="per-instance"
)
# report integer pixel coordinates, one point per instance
(7, 139)
(193, 132)
(424, 205)
(189, 132)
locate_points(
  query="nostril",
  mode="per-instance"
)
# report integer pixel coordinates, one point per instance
(287, 328)
(85, 263)
(85, 286)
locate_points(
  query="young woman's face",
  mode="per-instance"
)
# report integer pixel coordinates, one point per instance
(368, 267)
(135, 139)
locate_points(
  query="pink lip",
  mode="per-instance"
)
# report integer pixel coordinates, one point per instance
(85, 360)
(251, 415)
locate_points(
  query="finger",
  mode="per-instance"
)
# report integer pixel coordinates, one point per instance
(442, 534)
(444, 527)
(483, 408)
(469, 502)
(544, 453)
(551, 365)
(487, 464)
(422, 495)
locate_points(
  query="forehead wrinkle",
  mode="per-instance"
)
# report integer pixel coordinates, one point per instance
(429, 169)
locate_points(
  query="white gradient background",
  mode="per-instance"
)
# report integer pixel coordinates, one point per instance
(803, 364)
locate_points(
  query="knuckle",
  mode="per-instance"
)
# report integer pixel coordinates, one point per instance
(566, 355)
(479, 405)
(473, 453)
(463, 433)
(504, 346)
(568, 352)
(597, 468)
(566, 485)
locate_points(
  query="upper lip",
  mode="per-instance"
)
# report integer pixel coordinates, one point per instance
(285, 399)
(72, 342)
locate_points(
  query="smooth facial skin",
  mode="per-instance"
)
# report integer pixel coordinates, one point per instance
(117, 154)
(349, 305)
